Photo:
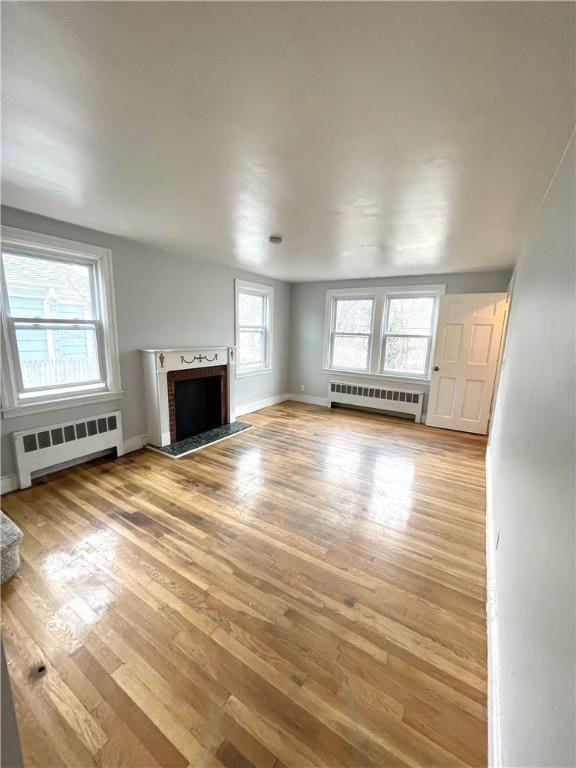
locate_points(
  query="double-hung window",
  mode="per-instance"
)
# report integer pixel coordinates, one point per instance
(407, 336)
(382, 331)
(351, 333)
(254, 312)
(58, 317)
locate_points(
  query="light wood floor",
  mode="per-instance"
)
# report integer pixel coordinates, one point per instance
(308, 593)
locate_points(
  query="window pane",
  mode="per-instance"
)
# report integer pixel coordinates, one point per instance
(46, 288)
(353, 316)
(350, 352)
(251, 349)
(405, 355)
(410, 315)
(251, 309)
(57, 356)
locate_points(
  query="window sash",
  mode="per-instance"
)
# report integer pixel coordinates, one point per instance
(254, 364)
(258, 294)
(338, 334)
(60, 259)
(389, 298)
(16, 323)
(394, 372)
(342, 299)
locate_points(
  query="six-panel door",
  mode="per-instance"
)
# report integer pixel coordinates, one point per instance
(468, 341)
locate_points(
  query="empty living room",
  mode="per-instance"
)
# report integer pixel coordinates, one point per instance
(288, 395)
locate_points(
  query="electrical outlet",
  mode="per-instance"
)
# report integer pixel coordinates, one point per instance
(301, 387)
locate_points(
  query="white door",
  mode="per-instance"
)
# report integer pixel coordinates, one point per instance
(468, 341)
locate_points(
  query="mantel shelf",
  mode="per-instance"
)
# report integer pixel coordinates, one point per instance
(186, 349)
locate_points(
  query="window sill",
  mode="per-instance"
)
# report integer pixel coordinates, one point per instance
(379, 376)
(259, 372)
(29, 409)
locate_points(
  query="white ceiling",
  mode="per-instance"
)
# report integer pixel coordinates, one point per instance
(378, 138)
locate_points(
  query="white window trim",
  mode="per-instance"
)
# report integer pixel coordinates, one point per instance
(13, 402)
(268, 292)
(380, 295)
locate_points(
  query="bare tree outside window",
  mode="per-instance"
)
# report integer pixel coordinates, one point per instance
(352, 333)
(408, 334)
(388, 332)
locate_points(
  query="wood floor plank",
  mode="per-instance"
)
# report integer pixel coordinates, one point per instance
(310, 593)
(130, 713)
(123, 749)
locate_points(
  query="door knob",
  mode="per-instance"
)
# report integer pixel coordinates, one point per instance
(436, 367)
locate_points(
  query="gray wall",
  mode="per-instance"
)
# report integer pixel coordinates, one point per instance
(9, 736)
(531, 465)
(161, 300)
(308, 309)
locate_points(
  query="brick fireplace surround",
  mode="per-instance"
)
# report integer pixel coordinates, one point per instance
(197, 373)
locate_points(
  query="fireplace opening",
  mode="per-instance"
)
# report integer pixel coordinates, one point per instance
(198, 406)
(197, 400)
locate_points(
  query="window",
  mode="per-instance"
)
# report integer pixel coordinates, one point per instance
(58, 318)
(407, 337)
(351, 333)
(384, 331)
(253, 327)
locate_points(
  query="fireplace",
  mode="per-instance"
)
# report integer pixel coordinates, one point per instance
(188, 392)
(197, 400)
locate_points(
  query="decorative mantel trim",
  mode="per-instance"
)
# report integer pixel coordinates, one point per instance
(199, 359)
(159, 363)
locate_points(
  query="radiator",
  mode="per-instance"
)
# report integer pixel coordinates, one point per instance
(382, 398)
(42, 448)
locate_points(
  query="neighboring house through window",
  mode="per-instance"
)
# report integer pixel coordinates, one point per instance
(382, 331)
(58, 315)
(254, 312)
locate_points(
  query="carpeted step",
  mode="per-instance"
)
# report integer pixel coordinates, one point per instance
(10, 538)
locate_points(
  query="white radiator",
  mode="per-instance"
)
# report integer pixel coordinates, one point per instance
(381, 398)
(45, 447)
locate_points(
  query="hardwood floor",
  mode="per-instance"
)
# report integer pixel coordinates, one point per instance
(308, 593)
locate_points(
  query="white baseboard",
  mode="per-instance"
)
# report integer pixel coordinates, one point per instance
(495, 759)
(9, 483)
(257, 405)
(135, 443)
(310, 399)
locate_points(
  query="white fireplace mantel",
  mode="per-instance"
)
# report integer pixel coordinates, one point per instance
(158, 362)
